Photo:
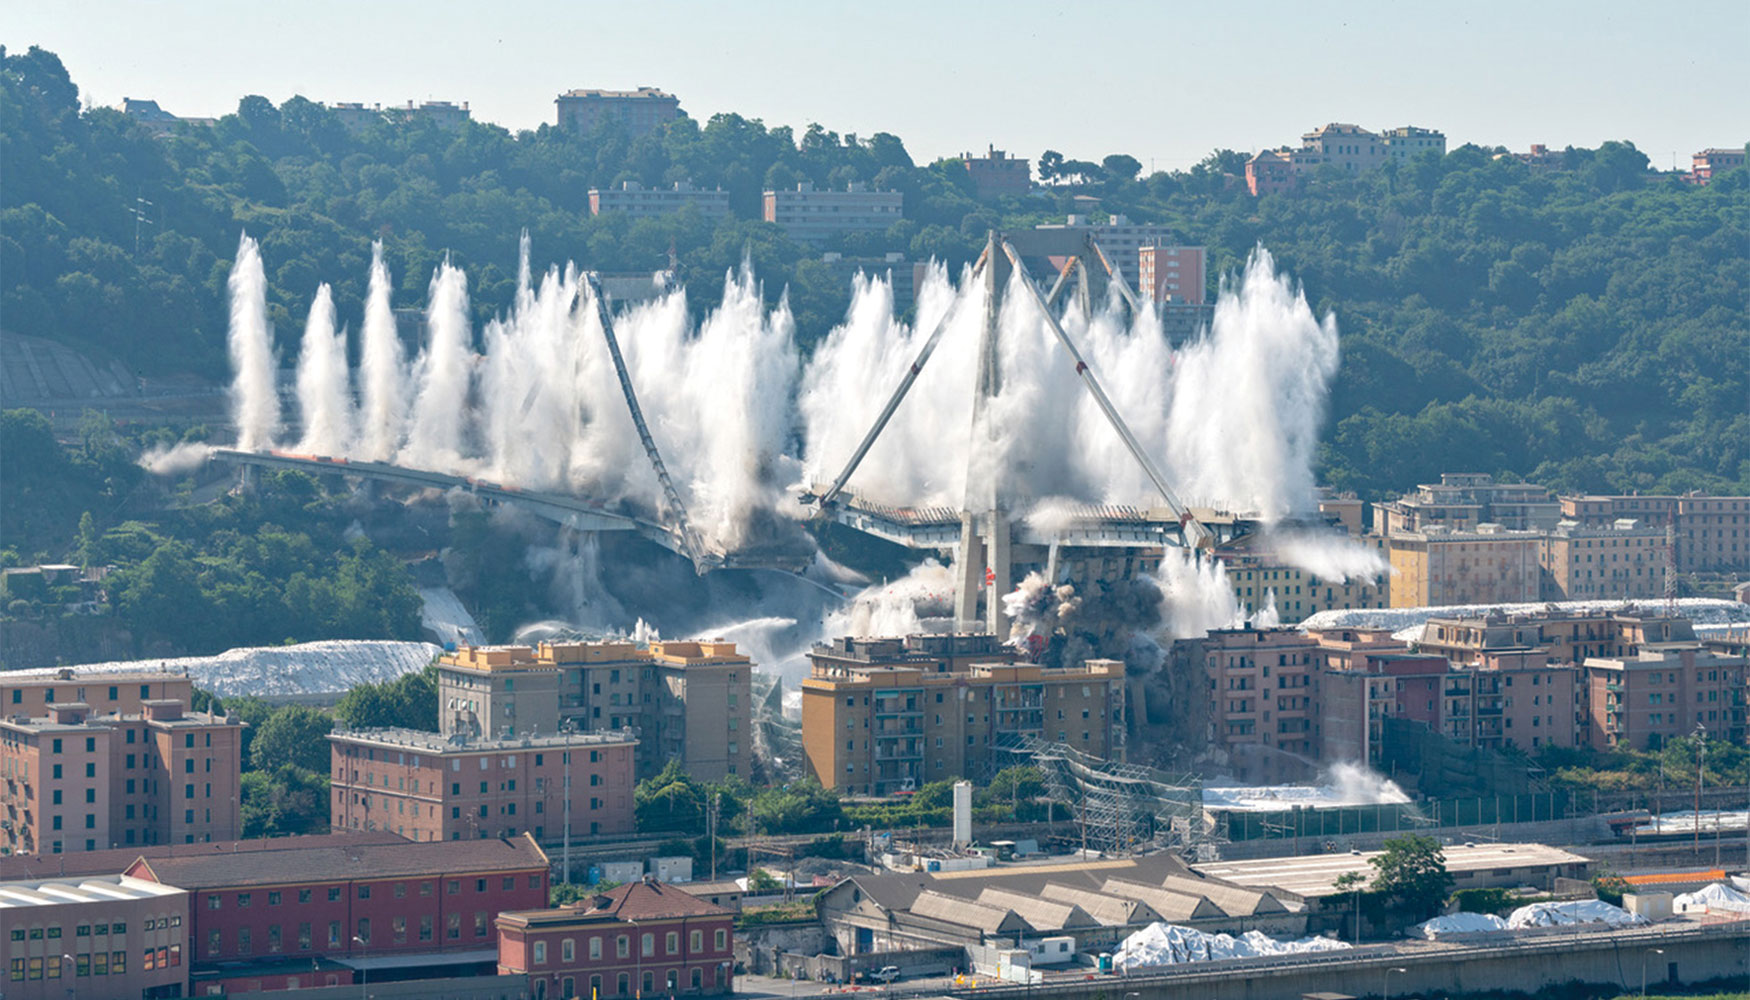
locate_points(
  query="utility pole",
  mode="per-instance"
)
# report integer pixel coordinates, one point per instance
(711, 810)
(1700, 735)
(138, 211)
(568, 728)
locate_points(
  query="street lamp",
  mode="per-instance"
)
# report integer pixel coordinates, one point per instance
(364, 970)
(1385, 987)
(67, 971)
(1649, 951)
(568, 729)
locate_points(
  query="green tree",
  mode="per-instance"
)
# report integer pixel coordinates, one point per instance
(294, 735)
(799, 807)
(407, 702)
(1352, 883)
(284, 802)
(670, 800)
(1411, 874)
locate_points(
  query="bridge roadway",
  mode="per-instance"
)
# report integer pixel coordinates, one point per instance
(1084, 526)
(576, 513)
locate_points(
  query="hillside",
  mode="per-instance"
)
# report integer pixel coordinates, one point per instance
(1585, 328)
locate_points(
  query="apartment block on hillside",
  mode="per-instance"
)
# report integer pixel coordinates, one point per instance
(684, 701)
(72, 780)
(887, 715)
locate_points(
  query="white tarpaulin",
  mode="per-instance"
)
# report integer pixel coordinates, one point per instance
(1579, 911)
(1717, 896)
(1169, 944)
(307, 669)
(1460, 923)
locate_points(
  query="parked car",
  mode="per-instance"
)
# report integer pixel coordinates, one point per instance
(885, 974)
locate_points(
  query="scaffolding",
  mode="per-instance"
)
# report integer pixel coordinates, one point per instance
(1118, 808)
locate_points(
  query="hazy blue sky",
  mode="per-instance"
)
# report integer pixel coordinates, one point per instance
(1165, 82)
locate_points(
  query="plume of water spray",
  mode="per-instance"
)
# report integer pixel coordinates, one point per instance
(254, 395)
(1248, 398)
(324, 382)
(1328, 555)
(921, 458)
(383, 412)
(1195, 595)
(446, 369)
(175, 459)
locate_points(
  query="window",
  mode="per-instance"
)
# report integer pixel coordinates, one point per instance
(720, 940)
(540, 953)
(595, 947)
(215, 940)
(273, 938)
(303, 895)
(242, 900)
(364, 892)
(334, 894)
(696, 940)
(454, 929)
(622, 949)
(647, 945)
(304, 936)
(273, 899)
(243, 943)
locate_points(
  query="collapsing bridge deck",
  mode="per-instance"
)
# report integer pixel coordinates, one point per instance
(1080, 526)
(572, 512)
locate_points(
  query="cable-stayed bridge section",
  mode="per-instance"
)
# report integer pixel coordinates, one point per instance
(992, 549)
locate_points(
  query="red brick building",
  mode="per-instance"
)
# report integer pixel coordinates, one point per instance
(641, 939)
(341, 908)
(1709, 163)
(997, 173)
(1171, 274)
(428, 787)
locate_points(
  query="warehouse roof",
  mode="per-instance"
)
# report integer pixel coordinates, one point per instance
(359, 862)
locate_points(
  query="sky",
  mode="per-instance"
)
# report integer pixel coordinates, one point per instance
(1166, 82)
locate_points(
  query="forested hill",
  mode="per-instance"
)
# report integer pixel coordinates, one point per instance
(1584, 327)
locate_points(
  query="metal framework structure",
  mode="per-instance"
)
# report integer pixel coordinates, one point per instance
(1120, 808)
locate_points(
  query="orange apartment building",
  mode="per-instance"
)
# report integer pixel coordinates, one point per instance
(1624, 559)
(1712, 532)
(685, 701)
(108, 692)
(1491, 565)
(425, 787)
(74, 781)
(887, 715)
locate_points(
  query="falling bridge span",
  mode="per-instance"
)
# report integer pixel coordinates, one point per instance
(574, 513)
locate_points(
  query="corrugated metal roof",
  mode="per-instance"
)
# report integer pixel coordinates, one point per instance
(96, 889)
(1169, 904)
(1113, 911)
(1045, 915)
(953, 910)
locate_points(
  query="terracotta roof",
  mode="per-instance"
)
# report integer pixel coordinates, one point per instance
(355, 862)
(633, 901)
(117, 860)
